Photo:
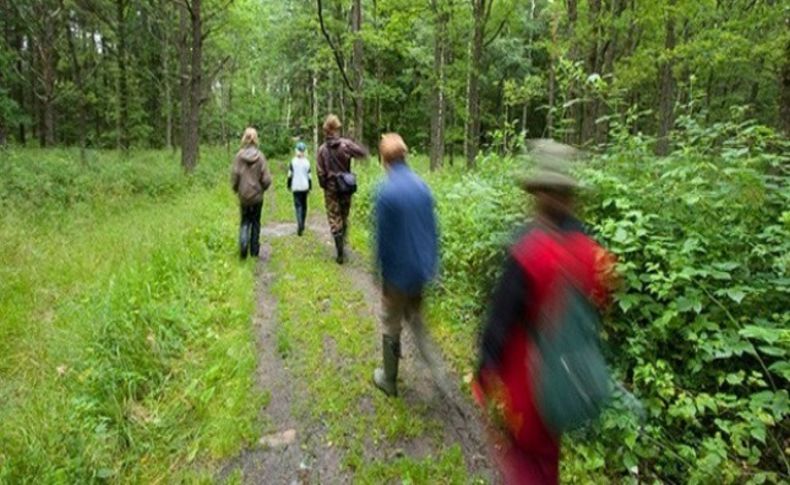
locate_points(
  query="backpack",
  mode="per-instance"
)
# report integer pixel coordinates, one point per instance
(346, 181)
(571, 380)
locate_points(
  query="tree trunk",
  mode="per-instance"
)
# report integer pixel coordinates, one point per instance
(190, 149)
(784, 90)
(473, 90)
(183, 75)
(573, 135)
(358, 64)
(167, 95)
(666, 102)
(438, 112)
(590, 107)
(78, 81)
(314, 103)
(552, 80)
(123, 82)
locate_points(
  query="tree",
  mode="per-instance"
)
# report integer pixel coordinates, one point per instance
(666, 102)
(439, 104)
(357, 61)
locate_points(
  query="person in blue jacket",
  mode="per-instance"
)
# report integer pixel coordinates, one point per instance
(407, 257)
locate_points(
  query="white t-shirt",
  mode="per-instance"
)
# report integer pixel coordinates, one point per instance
(300, 171)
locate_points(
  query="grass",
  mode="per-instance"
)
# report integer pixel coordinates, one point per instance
(128, 352)
(331, 332)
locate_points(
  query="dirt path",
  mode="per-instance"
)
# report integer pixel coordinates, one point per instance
(287, 452)
(459, 421)
(293, 448)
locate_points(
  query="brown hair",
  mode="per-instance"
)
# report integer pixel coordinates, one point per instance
(250, 137)
(332, 125)
(392, 148)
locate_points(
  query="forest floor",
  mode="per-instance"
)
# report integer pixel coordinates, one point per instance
(318, 341)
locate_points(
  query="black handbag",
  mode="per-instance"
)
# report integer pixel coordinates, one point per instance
(346, 181)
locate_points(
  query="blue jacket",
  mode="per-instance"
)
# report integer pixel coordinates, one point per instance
(407, 243)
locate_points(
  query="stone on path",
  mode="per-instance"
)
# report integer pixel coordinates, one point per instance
(276, 440)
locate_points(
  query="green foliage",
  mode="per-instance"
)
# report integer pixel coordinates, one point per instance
(698, 331)
(128, 354)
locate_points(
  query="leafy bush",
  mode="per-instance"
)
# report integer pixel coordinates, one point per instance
(699, 331)
(44, 180)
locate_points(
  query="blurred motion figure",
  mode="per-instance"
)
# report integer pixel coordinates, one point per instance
(541, 371)
(407, 258)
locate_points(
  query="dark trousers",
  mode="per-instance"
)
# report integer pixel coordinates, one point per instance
(250, 231)
(300, 205)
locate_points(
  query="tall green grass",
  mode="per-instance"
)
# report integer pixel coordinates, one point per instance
(127, 351)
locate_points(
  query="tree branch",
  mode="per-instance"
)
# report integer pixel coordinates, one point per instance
(496, 33)
(335, 51)
(212, 15)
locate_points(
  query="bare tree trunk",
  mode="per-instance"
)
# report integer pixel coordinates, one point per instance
(123, 82)
(590, 107)
(476, 53)
(167, 91)
(48, 69)
(78, 81)
(359, 71)
(574, 111)
(288, 106)
(190, 150)
(314, 103)
(784, 90)
(666, 115)
(183, 75)
(439, 62)
(552, 80)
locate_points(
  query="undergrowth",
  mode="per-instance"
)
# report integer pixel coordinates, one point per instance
(125, 331)
(699, 330)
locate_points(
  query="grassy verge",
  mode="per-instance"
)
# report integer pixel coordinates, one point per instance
(125, 335)
(328, 334)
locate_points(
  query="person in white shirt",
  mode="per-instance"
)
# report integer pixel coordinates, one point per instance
(300, 183)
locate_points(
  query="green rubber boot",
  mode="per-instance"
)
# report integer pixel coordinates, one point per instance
(386, 379)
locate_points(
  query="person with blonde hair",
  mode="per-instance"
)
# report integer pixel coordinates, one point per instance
(300, 183)
(407, 255)
(333, 166)
(250, 177)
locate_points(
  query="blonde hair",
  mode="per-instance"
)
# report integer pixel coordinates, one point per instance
(250, 137)
(332, 125)
(392, 148)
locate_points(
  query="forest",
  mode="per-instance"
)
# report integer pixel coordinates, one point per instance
(134, 345)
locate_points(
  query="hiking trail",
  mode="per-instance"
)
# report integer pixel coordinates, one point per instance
(324, 421)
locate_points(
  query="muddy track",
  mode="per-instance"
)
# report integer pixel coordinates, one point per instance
(290, 450)
(458, 419)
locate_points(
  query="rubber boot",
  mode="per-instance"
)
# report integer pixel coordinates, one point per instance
(386, 379)
(244, 240)
(341, 257)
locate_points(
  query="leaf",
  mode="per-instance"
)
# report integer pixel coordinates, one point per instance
(781, 368)
(735, 294)
(766, 334)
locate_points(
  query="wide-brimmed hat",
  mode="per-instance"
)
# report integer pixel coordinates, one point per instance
(552, 166)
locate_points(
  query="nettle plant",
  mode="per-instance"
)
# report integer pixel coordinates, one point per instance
(700, 331)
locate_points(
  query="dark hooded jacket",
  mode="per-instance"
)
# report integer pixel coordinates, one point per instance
(333, 157)
(250, 175)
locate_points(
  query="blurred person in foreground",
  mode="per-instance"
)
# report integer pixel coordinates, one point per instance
(333, 167)
(407, 257)
(541, 372)
(300, 183)
(250, 177)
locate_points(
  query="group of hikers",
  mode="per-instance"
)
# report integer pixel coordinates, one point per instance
(540, 370)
